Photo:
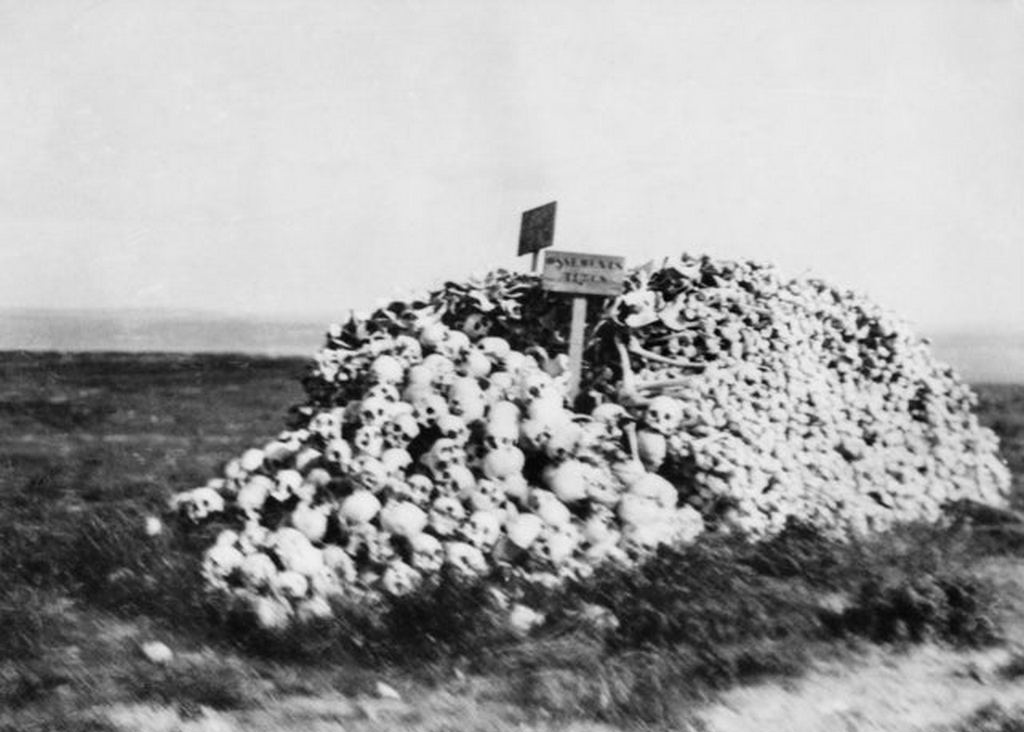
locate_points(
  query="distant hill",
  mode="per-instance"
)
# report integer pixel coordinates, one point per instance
(996, 357)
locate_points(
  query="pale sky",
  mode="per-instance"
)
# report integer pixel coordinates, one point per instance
(301, 158)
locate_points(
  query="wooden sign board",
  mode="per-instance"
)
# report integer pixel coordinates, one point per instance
(583, 274)
(538, 229)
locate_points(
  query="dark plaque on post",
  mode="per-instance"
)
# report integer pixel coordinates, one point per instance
(538, 230)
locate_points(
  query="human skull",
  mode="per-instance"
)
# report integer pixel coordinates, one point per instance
(465, 558)
(453, 428)
(523, 529)
(466, 399)
(636, 510)
(554, 547)
(641, 539)
(603, 489)
(326, 583)
(608, 550)
(535, 433)
(416, 489)
(456, 480)
(489, 495)
(599, 526)
(408, 350)
(446, 513)
(358, 538)
(568, 480)
(311, 609)
(628, 472)
(428, 408)
(387, 392)
(482, 529)
(656, 488)
(500, 386)
(475, 452)
(289, 584)
(609, 414)
(432, 334)
(199, 503)
(396, 461)
(369, 472)
(503, 462)
(476, 326)
(311, 521)
(636, 308)
(257, 570)
(337, 453)
(338, 560)
(546, 505)
(234, 476)
(286, 484)
(454, 345)
(687, 524)
(503, 411)
(253, 536)
(387, 369)
(272, 612)
(517, 488)
(400, 431)
(663, 414)
(442, 454)
(537, 385)
(359, 507)
(402, 518)
(564, 441)
(308, 458)
(495, 348)
(419, 376)
(516, 362)
(251, 460)
(501, 433)
(475, 363)
(295, 551)
(400, 579)
(427, 553)
(441, 369)
(325, 425)
(652, 448)
(380, 549)
(374, 411)
(219, 562)
(276, 453)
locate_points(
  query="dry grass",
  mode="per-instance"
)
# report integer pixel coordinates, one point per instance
(90, 444)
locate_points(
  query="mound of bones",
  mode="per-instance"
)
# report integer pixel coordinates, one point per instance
(716, 397)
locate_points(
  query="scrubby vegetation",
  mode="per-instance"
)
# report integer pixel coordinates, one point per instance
(76, 492)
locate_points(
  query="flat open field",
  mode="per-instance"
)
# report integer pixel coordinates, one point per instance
(118, 432)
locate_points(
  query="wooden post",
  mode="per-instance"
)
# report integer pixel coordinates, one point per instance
(533, 261)
(580, 275)
(579, 321)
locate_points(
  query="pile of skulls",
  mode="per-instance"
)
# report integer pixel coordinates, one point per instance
(800, 400)
(438, 433)
(459, 453)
